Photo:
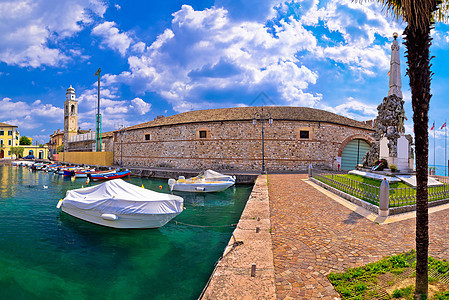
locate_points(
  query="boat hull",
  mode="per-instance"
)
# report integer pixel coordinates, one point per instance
(113, 175)
(142, 221)
(202, 187)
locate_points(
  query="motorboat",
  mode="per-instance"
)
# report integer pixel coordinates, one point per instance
(120, 204)
(206, 182)
(106, 175)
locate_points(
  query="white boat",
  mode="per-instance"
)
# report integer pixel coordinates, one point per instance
(119, 204)
(208, 181)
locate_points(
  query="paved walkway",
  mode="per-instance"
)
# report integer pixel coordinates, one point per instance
(314, 235)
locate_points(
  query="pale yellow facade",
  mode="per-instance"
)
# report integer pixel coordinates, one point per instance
(9, 137)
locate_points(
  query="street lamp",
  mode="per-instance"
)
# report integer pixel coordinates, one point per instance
(122, 132)
(262, 117)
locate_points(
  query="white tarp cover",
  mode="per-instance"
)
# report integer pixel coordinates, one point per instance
(122, 198)
(211, 175)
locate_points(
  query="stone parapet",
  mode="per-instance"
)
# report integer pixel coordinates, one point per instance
(246, 270)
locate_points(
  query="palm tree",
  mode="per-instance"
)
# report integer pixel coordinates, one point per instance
(419, 16)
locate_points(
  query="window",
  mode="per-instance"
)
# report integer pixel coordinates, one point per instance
(203, 134)
(2, 132)
(72, 110)
(147, 137)
(9, 142)
(9, 153)
(1, 143)
(9, 132)
(303, 134)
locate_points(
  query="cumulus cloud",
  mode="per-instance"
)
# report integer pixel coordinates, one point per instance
(111, 37)
(205, 52)
(140, 106)
(354, 109)
(28, 116)
(27, 28)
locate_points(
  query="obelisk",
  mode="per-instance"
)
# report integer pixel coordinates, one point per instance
(395, 69)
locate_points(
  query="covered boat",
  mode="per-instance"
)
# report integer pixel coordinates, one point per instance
(106, 175)
(207, 181)
(119, 204)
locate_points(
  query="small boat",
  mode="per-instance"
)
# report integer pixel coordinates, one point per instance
(113, 174)
(119, 204)
(84, 173)
(208, 181)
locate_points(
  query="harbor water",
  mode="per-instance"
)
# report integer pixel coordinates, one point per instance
(47, 254)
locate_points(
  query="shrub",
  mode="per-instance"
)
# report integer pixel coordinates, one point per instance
(393, 168)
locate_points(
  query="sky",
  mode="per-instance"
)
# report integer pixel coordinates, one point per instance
(167, 57)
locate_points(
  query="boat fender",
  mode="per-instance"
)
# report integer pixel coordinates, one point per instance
(198, 188)
(58, 206)
(109, 217)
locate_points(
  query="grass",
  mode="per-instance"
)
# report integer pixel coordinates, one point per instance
(407, 196)
(390, 278)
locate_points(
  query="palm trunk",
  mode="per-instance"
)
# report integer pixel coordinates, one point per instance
(418, 42)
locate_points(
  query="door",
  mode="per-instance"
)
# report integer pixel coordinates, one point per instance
(353, 154)
(2, 153)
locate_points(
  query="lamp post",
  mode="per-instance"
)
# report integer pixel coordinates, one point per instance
(122, 132)
(98, 117)
(262, 117)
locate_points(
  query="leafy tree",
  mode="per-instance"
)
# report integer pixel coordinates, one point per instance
(60, 148)
(17, 151)
(420, 16)
(24, 141)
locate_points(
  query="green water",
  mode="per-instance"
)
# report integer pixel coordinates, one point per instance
(47, 254)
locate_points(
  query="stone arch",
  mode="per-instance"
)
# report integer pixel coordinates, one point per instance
(366, 138)
(72, 110)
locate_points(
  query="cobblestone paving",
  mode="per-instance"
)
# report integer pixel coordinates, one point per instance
(314, 235)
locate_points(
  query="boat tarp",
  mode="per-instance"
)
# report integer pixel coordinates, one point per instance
(123, 198)
(211, 175)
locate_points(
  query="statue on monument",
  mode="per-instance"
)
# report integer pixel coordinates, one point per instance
(389, 123)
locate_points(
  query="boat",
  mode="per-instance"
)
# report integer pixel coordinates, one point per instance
(120, 204)
(106, 175)
(205, 182)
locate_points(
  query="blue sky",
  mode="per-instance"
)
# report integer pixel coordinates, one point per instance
(167, 57)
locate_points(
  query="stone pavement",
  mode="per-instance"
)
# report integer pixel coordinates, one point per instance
(314, 235)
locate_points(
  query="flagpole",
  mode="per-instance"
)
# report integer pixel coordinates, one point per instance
(445, 159)
(434, 129)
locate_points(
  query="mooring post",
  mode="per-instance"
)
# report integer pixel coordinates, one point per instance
(384, 198)
(310, 171)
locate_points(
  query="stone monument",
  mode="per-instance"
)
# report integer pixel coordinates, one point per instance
(391, 143)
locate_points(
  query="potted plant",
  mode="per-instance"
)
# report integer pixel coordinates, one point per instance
(393, 168)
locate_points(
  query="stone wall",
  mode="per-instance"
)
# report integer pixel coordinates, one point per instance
(234, 145)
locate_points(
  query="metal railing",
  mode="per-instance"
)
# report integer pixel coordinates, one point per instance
(397, 196)
(355, 188)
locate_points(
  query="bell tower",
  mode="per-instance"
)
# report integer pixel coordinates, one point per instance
(70, 116)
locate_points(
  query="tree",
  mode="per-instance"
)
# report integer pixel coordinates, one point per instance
(420, 16)
(24, 141)
(60, 148)
(17, 151)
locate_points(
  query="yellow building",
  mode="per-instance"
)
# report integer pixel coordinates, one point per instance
(9, 137)
(38, 152)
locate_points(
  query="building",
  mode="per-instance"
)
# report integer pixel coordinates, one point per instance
(56, 140)
(70, 116)
(9, 137)
(84, 141)
(231, 139)
(36, 150)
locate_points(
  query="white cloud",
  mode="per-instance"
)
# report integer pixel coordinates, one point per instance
(140, 106)
(28, 116)
(354, 109)
(112, 37)
(28, 27)
(206, 50)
